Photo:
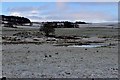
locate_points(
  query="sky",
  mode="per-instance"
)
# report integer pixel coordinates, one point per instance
(60, 0)
(94, 12)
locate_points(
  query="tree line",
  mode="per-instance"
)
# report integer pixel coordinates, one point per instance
(15, 20)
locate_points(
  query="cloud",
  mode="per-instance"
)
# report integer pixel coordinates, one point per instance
(27, 8)
(33, 16)
(20, 9)
(61, 11)
(15, 14)
(82, 16)
(35, 12)
(31, 12)
(90, 16)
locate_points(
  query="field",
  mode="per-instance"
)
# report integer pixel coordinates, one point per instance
(48, 61)
(87, 31)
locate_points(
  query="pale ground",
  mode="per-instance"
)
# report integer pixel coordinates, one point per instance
(46, 61)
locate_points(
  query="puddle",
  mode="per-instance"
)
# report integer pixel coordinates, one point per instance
(87, 46)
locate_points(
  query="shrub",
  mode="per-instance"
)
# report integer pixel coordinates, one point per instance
(48, 28)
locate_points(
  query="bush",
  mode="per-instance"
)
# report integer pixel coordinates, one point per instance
(48, 28)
